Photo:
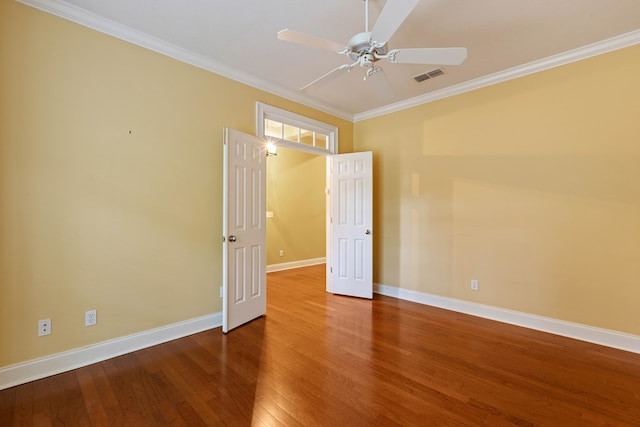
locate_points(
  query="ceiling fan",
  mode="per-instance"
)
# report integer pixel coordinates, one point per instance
(367, 48)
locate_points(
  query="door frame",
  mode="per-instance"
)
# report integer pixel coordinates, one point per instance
(268, 112)
(327, 193)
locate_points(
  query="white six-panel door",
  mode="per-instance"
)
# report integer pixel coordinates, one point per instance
(244, 228)
(350, 268)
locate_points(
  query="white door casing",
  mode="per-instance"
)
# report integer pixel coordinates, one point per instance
(244, 229)
(350, 269)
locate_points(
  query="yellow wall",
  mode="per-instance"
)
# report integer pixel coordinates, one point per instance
(531, 187)
(110, 188)
(110, 183)
(295, 194)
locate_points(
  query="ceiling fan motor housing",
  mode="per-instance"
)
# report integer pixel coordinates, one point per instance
(361, 45)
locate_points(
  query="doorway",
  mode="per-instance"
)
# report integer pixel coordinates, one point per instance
(348, 205)
(349, 243)
(296, 209)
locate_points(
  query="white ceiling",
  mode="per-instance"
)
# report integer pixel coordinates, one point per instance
(237, 38)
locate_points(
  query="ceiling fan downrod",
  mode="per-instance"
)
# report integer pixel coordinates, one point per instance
(366, 16)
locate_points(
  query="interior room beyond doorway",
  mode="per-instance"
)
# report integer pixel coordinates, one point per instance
(296, 209)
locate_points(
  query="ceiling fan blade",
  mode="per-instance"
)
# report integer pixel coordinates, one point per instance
(381, 85)
(307, 40)
(329, 76)
(439, 56)
(390, 19)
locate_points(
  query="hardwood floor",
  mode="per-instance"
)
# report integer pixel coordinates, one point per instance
(320, 359)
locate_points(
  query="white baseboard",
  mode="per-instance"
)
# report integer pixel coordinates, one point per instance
(577, 331)
(295, 264)
(57, 363)
(61, 362)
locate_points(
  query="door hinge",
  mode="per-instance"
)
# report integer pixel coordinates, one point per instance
(331, 269)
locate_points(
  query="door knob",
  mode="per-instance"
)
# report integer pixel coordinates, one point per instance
(232, 238)
(367, 232)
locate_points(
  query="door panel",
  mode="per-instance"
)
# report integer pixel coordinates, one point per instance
(244, 228)
(351, 251)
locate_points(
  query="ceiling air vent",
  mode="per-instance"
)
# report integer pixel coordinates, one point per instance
(429, 75)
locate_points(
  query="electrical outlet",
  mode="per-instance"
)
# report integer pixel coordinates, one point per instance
(474, 285)
(221, 290)
(44, 327)
(281, 252)
(90, 318)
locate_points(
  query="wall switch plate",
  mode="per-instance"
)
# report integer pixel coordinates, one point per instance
(90, 318)
(474, 285)
(44, 327)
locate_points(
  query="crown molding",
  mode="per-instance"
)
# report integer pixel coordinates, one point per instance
(599, 48)
(98, 23)
(81, 16)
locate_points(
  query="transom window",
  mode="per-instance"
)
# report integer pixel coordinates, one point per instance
(287, 129)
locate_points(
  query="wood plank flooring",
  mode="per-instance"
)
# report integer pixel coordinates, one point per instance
(325, 360)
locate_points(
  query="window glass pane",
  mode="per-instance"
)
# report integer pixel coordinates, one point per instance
(306, 137)
(291, 133)
(290, 128)
(272, 128)
(322, 141)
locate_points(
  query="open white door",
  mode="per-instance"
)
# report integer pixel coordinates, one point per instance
(244, 248)
(351, 241)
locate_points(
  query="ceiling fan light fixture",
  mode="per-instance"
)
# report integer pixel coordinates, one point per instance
(371, 71)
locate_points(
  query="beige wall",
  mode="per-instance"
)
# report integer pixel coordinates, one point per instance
(295, 194)
(531, 186)
(110, 183)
